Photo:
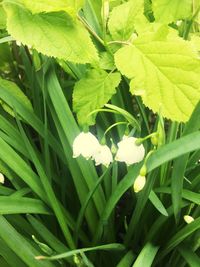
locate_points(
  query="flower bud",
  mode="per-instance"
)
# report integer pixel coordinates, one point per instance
(188, 219)
(113, 147)
(154, 140)
(139, 183)
(2, 178)
(143, 170)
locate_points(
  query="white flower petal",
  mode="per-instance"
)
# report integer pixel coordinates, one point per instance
(103, 156)
(188, 219)
(85, 144)
(139, 183)
(129, 152)
(2, 179)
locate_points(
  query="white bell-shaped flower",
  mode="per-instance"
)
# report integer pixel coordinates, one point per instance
(129, 152)
(103, 156)
(188, 219)
(139, 183)
(85, 144)
(2, 179)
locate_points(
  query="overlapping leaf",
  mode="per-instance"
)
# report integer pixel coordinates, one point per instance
(171, 10)
(164, 71)
(36, 6)
(2, 18)
(53, 34)
(13, 89)
(92, 92)
(126, 18)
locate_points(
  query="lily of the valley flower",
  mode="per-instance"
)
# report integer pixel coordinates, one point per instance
(2, 179)
(103, 156)
(85, 144)
(129, 152)
(188, 219)
(139, 183)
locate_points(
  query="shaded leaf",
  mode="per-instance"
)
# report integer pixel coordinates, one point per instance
(93, 92)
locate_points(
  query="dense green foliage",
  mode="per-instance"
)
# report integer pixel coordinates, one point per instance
(118, 67)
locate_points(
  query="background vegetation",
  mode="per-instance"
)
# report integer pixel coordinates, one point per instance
(60, 63)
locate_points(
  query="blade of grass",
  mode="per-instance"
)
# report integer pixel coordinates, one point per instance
(146, 256)
(187, 194)
(10, 257)
(10, 205)
(18, 165)
(190, 257)
(66, 118)
(180, 164)
(127, 260)
(48, 189)
(157, 203)
(87, 201)
(48, 236)
(179, 237)
(114, 246)
(78, 179)
(30, 118)
(156, 228)
(19, 245)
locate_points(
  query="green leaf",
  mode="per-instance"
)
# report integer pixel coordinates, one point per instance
(127, 259)
(13, 89)
(146, 256)
(126, 18)
(93, 92)
(113, 246)
(187, 194)
(190, 257)
(181, 235)
(171, 10)
(164, 70)
(10, 257)
(2, 18)
(157, 203)
(180, 164)
(12, 205)
(37, 6)
(106, 61)
(21, 246)
(54, 34)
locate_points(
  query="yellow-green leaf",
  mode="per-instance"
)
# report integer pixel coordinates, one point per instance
(164, 71)
(126, 18)
(54, 34)
(93, 92)
(37, 6)
(171, 10)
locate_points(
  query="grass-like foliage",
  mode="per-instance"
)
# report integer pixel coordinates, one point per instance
(99, 133)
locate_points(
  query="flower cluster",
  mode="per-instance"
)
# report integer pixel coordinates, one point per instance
(87, 145)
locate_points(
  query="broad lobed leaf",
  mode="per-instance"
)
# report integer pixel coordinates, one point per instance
(93, 92)
(167, 11)
(54, 34)
(36, 6)
(127, 18)
(164, 70)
